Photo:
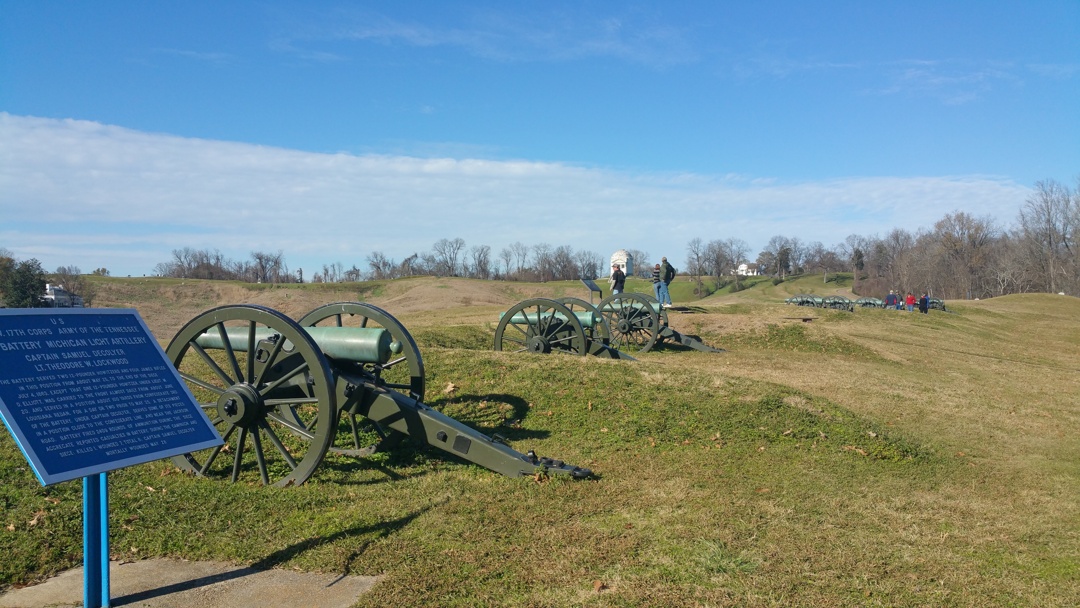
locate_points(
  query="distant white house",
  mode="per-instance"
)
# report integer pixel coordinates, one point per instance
(58, 297)
(748, 270)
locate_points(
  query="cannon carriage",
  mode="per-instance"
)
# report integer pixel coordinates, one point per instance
(348, 377)
(568, 325)
(869, 302)
(804, 299)
(838, 303)
(619, 326)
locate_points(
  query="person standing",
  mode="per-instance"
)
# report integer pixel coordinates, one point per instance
(891, 299)
(618, 279)
(909, 301)
(657, 283)
(924, 304)
(667, 275)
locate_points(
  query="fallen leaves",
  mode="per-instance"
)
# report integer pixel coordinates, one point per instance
(40, 515)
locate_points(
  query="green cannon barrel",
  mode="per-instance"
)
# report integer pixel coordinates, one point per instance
(586, 318)
(360, 344)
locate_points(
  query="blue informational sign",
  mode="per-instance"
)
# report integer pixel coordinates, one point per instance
(89, 390)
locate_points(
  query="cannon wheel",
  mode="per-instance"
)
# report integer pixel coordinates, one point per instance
(635, 320)
(363, 436)
(603, 332)
(548, 334)
(242, 389)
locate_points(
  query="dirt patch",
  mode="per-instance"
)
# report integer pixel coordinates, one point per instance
(167, 306)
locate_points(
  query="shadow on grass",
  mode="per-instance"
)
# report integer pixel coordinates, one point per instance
(475, 411)
(282, 556)
(508, 424)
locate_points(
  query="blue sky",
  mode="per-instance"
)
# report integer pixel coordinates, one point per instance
(329, 130)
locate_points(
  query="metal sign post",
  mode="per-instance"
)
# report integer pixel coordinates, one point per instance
(593, 288)
(96, 541)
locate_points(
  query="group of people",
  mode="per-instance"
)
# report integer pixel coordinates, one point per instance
(662, 276)
(893, 300)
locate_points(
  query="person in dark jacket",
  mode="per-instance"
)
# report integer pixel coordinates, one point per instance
(667, 275)
(618, 279)
(891, 299)
(924, 304)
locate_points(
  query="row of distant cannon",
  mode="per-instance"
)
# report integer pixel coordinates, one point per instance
(842, 303)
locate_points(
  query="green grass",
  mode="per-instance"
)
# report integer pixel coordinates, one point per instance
(865, 459)
(680, 473)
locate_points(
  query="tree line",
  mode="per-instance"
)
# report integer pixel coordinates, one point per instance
(962, 256)
(446, 258)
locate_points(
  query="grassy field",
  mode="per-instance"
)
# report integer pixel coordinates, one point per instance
(874, 458)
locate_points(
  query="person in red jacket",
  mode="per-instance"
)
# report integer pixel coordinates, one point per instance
(909, 301)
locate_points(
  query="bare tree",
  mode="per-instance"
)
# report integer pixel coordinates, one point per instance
(1047, 234)
(589, 264)
(718, 261)
(332, 273)
(778, 252)
(542, 260)
(642, 266)
(506, 257)
(410, 266)
(352, 275)
(481, 261)
(738, 251)
(966, 242)
(269, 267)
(521, 254)
(854, 251)
(72, 279)
(695, 263)
(445, 254)
(381, 267)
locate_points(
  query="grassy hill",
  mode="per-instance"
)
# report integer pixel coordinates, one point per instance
(874, 458)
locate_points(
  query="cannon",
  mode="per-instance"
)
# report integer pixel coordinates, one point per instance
(638, 323)
(804, 299)
(868, 302)
(542, 325)
(838, 303)
(348, 377)
(621, 323)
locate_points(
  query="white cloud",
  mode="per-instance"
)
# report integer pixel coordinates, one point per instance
(92, 195)
(510, 37)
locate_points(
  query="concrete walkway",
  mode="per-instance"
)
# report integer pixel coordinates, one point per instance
(165, 583)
